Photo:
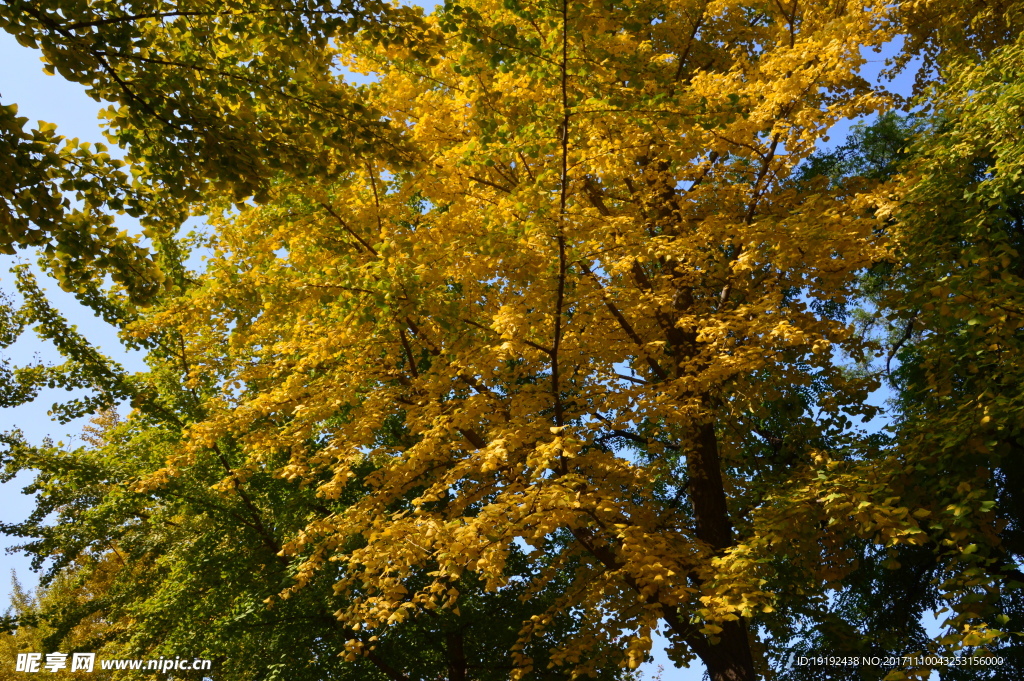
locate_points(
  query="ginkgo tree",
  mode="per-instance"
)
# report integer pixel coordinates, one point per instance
(579, 296)
(565, 321)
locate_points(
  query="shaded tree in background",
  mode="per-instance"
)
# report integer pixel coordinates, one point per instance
(950, 308)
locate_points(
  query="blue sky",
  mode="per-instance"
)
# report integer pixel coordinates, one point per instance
(52, 99)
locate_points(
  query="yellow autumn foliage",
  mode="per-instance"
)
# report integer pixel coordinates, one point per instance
(552, 315)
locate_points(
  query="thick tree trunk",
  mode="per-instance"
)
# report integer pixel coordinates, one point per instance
(730, 659)
(456, 657)
(707, 491)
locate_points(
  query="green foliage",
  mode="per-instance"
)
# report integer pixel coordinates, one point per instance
(952, 306)
(60, 196)
(192, 103)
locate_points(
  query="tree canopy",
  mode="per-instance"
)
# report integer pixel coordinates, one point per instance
(558, 332)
